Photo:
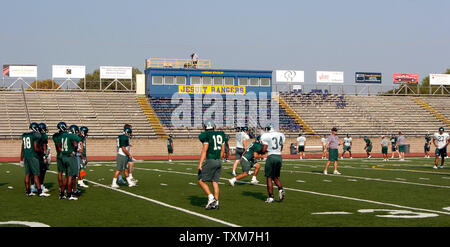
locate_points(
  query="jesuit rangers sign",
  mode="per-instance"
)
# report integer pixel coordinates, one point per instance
(115, 72)
(290, 76)
(439, 79)
(68, 71)
(330, 76)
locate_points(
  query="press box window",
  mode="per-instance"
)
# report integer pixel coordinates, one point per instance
(243, 81)
(181, 80)
(169, 80)
(229, 81)
(157, 80)
(218, 81)
(265, 82)
(207, 80)
(196, 80)
(254, 81)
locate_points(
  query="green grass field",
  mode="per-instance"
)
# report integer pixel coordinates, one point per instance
(368, 193)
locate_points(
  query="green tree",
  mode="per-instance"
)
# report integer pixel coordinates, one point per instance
(93, 81)
(46, 85)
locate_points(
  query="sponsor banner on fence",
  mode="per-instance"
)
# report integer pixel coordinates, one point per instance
(406, 78)
(439, 79)
(194, 89)
(20, 70)
(68, 71)
(368, 77)
(116, 72)
(330, 76)
(290, 76)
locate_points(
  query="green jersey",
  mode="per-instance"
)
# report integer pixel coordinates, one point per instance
(67, 140)
(28, 140)
(368, 141)
(123, 141)
(169, 142)
(254, 147)
(427, 140)
(215, 139)
(394, 141)
(57, 140)
(43, 141)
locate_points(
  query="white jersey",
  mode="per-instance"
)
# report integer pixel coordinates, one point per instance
(324, 141)
(347, 141)
(274, 140)
(441, 140)
(240, 137)
(301, 140)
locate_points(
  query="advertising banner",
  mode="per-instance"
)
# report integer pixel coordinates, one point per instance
(330, 76)
(439, 79)
(405, 78)
(290, 76)
(368, 77)
(68, 71)
(197, 89)
(115, 72)
(20, 70)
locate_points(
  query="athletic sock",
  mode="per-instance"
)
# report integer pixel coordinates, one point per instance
(114, 181)
(280, 188)
(210, 197)
(130, 176)
(254, 178)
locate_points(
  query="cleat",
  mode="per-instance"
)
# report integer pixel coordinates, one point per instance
(269, 200)
(134, 180)
(325, 172)
(254, 181)
(442, 167)
(281, 195)
(233, 173)
(132, 184)
(351, 157)
(72, 198)
(435, 167)
(43, 194)
(45, 190)
(62, 197)
(115, 186)
(211, 204)
(232, 181)
(30, 194)
(336, 173)
(82, 184)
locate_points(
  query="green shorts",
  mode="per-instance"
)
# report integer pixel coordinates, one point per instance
(273, 166)
(170, 149)
(301, 148)
(211, 170)
(426, 148)
(369, 148)
(247, 165)
(31, 165)
(401, 148)
(59, 163)
(122, 162)
(393, 149)
(347, 148)
(333, 154)
(70, 165)
(384, 150)
(238, 153)
(441, 152)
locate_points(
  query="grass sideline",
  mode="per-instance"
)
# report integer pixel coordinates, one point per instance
(369, 193)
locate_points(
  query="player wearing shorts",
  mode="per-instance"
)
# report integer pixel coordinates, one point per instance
(401, 142)
(324, 150)
(368, 146)
(394, 146)
(347, 146)
(62, 127)
(43, 155)
(210, 163)
(384, 148)
(170, 147)
(123, 157)
(82, 157)
(249, 160)
(69, 148)
(440, 141)
(427, 146)
(273, 142)
(241, 145)
(301, 141)
(30, 161)
(332, 145)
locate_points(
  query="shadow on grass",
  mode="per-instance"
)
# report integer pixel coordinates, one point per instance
(1, 184)
(257, 195)
(198, 201)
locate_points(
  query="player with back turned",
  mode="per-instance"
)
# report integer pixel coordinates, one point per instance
(210, 163)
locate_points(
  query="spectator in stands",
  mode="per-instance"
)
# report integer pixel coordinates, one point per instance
(301, 140)
(401, 145)
(384, 147)
(332, 145)
(194, 58)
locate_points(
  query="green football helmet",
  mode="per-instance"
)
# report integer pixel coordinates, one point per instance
(62, 126)
(269, 127)
(84, 130)
(128, 131)
(74, 129)
(34, 127)
(43, 128)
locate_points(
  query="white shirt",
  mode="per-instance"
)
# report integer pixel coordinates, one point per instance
(441, 140)
(347, 141)
(274, 140)
(301, 140)
(240, 137)
(324, 141)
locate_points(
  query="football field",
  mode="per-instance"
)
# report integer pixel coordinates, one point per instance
(369, 192)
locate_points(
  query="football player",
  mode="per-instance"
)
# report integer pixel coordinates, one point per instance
(210, 163)
(301, 141)
(347, 146)
(62, 128)
(43, 154)
(123, 157)
(427, 146)
(69, 144)
(368, 146)
(241, 146)
(249, 160)
(384, 147)
(82, 157)
(394, 146)
(170, 147)
(29, 159)
(440, 141)
(273, 144)
(75, 130)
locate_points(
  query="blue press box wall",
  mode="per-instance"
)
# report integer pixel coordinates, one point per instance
(169, 90)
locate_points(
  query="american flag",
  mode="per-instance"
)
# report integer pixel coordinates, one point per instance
(6, 70)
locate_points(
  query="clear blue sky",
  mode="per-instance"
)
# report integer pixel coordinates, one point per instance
(348, 35)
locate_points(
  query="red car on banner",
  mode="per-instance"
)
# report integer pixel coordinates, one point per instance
(406, 78)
